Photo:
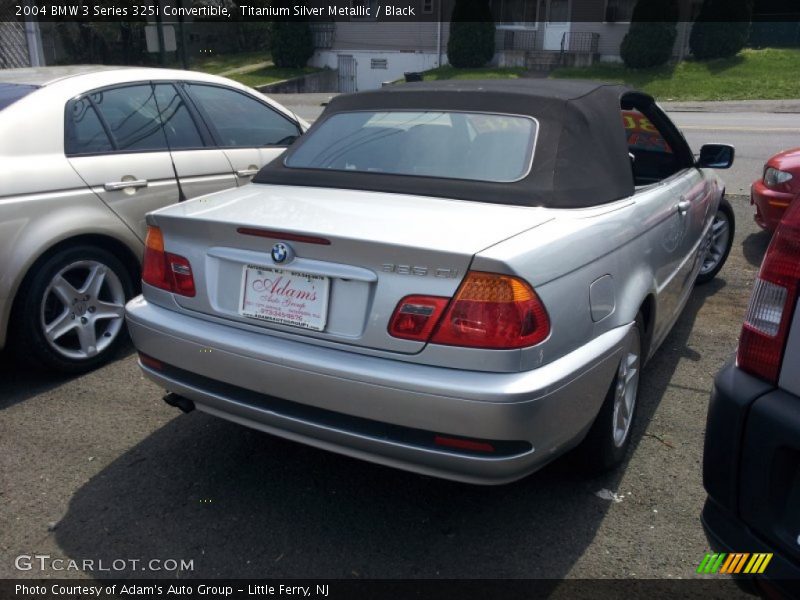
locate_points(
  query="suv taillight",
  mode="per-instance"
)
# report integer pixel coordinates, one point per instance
(489, 310)
(165, 270)
(769, 316)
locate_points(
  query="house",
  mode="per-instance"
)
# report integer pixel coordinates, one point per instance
(535, 34)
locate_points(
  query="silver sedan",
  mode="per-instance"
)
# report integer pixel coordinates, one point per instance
(461, 279)
(85, 153)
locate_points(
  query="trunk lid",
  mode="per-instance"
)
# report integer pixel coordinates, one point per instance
(367, 251)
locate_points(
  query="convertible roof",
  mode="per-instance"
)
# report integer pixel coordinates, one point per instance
(580, 159)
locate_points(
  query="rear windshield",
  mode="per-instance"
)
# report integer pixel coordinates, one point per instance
(11, 92)
(476, 146)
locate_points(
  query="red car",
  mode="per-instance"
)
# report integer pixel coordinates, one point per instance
(776, 189)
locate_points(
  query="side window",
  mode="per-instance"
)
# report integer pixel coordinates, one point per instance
(241, 121)
(131, 114)
(653, 157)
(179, 126)
(85, 133)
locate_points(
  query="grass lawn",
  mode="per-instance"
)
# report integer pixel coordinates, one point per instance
(270, 75)
(769, 74)
(448, 72)
(223, 62)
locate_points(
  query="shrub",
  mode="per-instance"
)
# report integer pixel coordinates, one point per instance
(652, 34)
(721, 29)
(291, 44)
(471, 43)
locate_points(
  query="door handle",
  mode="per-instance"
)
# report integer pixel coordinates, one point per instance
(684, 206)
(246, 172)
(113, 186)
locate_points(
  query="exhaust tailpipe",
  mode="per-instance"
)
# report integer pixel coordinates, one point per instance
(180, 402)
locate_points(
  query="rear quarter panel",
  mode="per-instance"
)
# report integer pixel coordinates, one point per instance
(639, 241)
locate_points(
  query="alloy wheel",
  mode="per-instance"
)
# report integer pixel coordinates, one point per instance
(82, 309)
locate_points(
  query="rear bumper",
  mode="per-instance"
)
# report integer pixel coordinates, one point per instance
(751, 471)
(344, 402)
(770, 205)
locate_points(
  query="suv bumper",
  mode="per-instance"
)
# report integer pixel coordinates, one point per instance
(751, 471)
(379, 409)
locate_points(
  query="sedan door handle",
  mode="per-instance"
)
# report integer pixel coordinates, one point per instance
(246, 172)
(684, 206)
(113, 186)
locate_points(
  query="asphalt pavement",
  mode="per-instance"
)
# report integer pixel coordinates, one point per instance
(99, 468)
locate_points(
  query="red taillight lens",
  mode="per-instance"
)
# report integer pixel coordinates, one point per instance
(769, 316)
(416, 316)
(493, 311)
(154, 266)
(163, 269)
(182, 276)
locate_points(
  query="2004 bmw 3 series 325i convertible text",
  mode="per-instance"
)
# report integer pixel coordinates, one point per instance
(461, 279)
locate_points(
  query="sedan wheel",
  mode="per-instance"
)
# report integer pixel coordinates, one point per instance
(627, 388)
(718, 243)
(608, 439)
(70, 312)
(82, 309)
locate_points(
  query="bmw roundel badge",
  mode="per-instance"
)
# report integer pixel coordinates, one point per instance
(281, 252)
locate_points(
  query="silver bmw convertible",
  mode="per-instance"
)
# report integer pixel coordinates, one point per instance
(460, 279)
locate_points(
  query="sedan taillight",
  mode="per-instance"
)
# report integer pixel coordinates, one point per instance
(769, 316)
(489, 310)
(165, 270)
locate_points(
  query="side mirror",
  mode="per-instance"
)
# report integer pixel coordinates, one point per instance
(716, 156)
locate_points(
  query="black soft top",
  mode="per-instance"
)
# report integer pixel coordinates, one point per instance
(580, 159)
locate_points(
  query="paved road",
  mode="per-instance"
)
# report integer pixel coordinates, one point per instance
(756, 136)
(97, 467)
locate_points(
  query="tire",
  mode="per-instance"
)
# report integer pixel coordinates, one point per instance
(608, 440)
(69, 313)
(720, 241)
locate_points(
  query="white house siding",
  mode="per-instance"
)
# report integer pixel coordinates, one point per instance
(406, 47)
(375, 35)
(369, 78)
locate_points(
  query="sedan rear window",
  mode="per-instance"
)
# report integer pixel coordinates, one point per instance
(11, 92)
(458, 145)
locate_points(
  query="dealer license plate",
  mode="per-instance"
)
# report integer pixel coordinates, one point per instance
(285, 297)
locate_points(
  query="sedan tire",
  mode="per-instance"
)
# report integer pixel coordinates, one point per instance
(608, 440)
(720, 241)
(70, 313)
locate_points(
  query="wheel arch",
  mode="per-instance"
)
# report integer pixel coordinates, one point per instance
(128, 253)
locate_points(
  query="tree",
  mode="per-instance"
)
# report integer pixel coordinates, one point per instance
(291, 42)
(721, 29)
(471, 41)
(651, 35)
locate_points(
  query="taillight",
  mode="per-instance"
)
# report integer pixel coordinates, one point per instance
(416, 316)
(769, 316)
(165, 270)
(493, 311)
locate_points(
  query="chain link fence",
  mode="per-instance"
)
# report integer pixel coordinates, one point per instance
(13, 41)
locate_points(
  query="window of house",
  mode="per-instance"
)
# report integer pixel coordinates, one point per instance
(378, 63)
(619, 11)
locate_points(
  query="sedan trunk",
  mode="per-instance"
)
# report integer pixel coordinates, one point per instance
(348, 256)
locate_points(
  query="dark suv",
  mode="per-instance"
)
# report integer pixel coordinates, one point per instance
(751, 464)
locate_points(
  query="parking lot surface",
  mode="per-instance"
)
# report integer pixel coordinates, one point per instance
(97, 467)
